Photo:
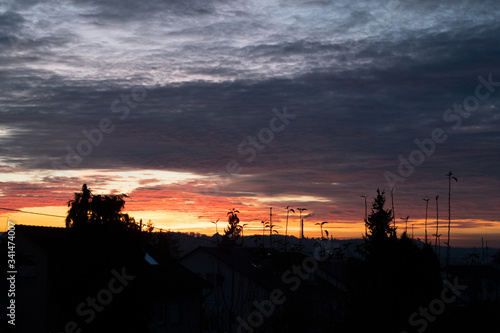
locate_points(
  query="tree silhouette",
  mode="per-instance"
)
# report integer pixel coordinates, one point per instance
(392, 278)
(321, 226)
(78, 214)
(87, 209)
(101, 239)
(496, 258)
(150, 226)
(233, 230)
(256, 238)
(378, 224)
(166, 243)
(264, 226)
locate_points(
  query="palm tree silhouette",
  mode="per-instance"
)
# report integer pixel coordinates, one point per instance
(321, 226)
(264, 226)
(232, 232)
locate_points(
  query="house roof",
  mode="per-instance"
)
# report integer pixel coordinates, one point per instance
(264, 267)
(475, 273)
(47, 237)
(173, 277)
(63, 244)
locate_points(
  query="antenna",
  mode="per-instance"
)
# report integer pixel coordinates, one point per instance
(270, 226)
(406, 224)
(393, 214)
(450, 176)
(366, 214)
(270, 216)
(437, 230)
(288, 210)
(482, 250)
(216, 232)
(426, 207)
(301, 225)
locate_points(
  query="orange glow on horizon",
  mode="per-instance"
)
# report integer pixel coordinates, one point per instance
(463, 233)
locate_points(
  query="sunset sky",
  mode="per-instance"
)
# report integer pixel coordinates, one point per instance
(194, 107)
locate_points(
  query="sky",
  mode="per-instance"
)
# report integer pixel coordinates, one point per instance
(192, 108)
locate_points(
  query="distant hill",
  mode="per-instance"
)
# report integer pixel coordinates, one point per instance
(458, 255)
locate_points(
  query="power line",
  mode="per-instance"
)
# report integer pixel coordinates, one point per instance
(22, 211)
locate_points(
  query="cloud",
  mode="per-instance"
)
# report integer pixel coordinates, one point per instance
(364, 80)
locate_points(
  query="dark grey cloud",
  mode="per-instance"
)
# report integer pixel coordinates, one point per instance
(363, 79)
(9, 21)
